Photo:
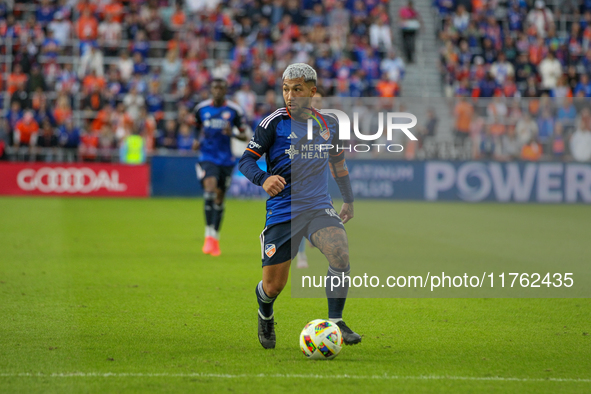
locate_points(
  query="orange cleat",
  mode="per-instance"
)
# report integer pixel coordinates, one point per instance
(215, 250)
(208, 246)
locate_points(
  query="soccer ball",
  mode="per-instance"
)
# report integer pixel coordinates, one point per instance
(321, 340)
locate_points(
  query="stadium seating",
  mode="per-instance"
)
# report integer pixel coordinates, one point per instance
(102, 63)
(514, 49)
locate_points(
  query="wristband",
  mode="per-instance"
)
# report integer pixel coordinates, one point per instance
(344, 185)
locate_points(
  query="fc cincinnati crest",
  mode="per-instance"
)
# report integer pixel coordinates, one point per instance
(324, 131)
(270, 250)
(226, 115)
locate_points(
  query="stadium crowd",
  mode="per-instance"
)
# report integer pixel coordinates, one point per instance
(499, 51)
(85, 74)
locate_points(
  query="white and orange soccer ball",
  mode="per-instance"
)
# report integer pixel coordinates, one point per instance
(321, 340)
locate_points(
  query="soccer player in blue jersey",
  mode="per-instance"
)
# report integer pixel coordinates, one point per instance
(299, 204)
(216, 118)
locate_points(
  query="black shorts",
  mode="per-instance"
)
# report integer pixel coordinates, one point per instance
(280, 242)
(223, 174)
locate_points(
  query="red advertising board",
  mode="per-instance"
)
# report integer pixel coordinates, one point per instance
(74, 179)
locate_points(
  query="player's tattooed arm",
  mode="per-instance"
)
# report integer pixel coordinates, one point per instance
(333, 243)
(347, 212)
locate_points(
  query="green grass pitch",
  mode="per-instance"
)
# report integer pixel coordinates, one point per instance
(108, 296)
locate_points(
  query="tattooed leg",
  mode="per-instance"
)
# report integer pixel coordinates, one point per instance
(333, 243)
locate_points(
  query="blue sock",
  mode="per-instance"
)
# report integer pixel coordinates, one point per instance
(265, 302)
(338, 295)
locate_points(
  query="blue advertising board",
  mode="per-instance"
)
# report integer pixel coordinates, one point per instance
(175, 176)
(475, 181)
(470, 181)
(384, 179)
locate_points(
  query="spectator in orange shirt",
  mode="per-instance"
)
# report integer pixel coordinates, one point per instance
(86, 5)
(87, 26)
(463, 113)
(63, 110)
(103, 117)
(113, 9)
(38, 98)
(89, 143)
(537, 51)
(177, 20)
(16, 78)
(94, 101)
(92, 80)
(26, 130)
(177, 44)
(531, 151)
(387, 88)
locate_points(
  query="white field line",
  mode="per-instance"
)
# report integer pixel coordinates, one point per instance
(283, 376)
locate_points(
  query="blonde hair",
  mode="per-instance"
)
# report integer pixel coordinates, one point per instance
(300, 70)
